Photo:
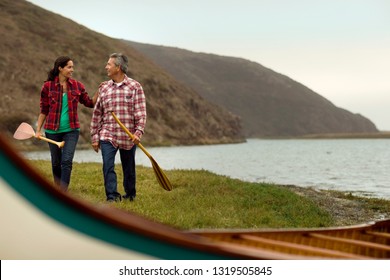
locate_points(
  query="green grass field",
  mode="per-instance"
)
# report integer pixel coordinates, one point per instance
(200, 199)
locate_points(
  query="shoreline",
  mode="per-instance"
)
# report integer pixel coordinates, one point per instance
(345, 208)
(35, 145)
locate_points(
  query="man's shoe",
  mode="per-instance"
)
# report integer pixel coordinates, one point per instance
(116, 199)
(129, 197)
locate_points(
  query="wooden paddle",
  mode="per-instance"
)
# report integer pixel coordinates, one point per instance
(161, 177)
(25, 131)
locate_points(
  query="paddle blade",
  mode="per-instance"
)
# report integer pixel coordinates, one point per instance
(160, 175)
(24, 131)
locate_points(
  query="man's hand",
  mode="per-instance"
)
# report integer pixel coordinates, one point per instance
(96, 146)
(136, 139)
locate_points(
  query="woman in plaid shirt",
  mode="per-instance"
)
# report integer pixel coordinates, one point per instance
(125, 97)
(60, 96)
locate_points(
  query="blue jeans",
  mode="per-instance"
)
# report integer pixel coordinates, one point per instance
(128, 167)
(62, 159)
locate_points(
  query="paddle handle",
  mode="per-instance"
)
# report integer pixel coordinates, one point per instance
(59, 144)
(130, 134)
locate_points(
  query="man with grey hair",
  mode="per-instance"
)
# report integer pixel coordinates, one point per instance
(125, 97)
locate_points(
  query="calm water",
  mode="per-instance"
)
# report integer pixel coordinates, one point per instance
(360, 166)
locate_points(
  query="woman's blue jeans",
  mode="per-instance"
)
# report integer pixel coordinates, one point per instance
(62, 159)
(128, 167)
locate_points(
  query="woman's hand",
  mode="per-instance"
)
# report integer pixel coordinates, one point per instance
(38, 134)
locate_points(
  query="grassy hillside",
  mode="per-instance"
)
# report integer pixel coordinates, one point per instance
(269, 104)
(32, 38)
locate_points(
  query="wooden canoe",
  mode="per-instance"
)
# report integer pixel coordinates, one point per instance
(42, 222)
(368, 241)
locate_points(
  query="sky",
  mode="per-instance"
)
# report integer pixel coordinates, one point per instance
(338, 48)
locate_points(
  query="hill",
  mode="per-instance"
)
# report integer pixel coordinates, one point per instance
(32, 38)
(269, 104)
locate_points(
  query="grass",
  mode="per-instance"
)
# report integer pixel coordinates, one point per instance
(200, 199)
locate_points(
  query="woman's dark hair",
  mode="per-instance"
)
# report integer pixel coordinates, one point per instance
(62, 61)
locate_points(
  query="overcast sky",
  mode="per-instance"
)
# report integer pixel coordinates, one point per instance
(338, 48)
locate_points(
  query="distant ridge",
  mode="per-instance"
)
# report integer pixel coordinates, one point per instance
(32, 38)
(269, 104)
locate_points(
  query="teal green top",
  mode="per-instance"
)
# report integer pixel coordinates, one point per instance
(64, 120)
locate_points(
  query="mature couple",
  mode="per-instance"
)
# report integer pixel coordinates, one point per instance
(122, 95)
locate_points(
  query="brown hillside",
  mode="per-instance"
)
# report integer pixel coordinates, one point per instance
(32, 38)
(269, 104)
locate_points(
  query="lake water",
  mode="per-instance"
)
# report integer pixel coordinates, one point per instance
(359, 166)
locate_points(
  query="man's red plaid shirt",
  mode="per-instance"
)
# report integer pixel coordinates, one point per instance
(127, 101)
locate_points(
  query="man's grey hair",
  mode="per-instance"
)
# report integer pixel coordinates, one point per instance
(121, 61)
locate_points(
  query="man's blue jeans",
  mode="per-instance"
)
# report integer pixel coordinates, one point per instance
(62, 159)
(128, 167)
